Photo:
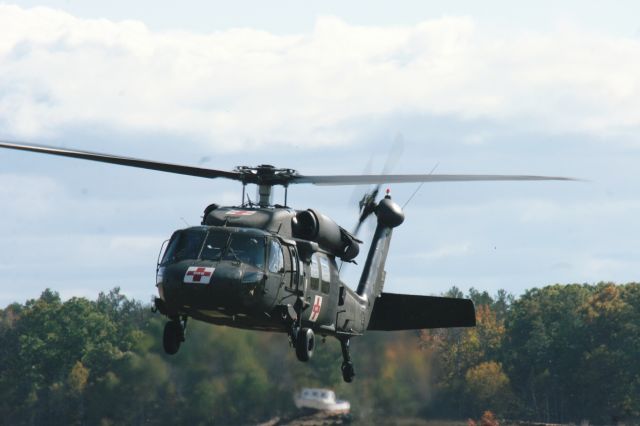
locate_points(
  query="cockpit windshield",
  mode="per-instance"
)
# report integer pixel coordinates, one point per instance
(216, 245)
(184, 245)
(246, 248)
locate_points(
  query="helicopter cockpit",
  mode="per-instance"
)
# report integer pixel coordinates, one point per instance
(221, 268)
(215, 245)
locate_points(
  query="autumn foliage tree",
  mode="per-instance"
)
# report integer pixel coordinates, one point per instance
(561, 353)
(469, 378)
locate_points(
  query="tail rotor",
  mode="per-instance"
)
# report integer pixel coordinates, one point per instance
(367, 203)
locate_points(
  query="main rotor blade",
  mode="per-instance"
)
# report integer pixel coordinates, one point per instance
(123, 161)
(371, 179)
(264, 174)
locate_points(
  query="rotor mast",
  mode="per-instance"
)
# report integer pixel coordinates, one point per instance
(265, 195)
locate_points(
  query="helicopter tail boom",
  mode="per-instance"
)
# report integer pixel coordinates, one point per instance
(372, 279)
(389, 216)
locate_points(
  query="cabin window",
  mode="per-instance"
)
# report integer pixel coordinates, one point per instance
(276, 257)
(303, 275)
(293, 260)
(326, 274)
(315, 273)
(341, 296)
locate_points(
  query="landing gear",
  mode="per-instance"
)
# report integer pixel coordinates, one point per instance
(173, 335)
(348, 372)
(302, 338)
(305, 342)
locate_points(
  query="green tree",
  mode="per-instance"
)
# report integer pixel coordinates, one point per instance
(545, 340)
(560, 353)
(609, 376)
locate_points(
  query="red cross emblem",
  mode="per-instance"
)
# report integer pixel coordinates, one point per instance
(239, 213)
(315, 310)
(198, 274)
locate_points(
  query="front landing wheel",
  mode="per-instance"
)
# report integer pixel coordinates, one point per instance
(305, 342)
(172, 337)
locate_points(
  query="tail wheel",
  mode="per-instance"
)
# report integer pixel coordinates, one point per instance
(305, 342)
(172, 337)
(348, 372)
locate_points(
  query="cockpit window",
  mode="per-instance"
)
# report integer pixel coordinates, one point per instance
(184, 245)
(246, 248)
(218, 245)
(215, 245)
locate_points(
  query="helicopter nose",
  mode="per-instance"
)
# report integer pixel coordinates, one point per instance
(221, 287)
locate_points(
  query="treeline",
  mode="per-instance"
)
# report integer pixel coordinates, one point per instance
(563, 353)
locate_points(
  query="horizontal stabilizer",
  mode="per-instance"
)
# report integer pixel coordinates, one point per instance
(408, 312)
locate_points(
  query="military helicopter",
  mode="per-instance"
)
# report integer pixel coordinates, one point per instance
(265, 266)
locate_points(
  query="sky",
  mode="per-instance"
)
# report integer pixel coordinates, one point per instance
(323, 87)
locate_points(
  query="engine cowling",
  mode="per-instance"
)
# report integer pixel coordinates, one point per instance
(314, 226)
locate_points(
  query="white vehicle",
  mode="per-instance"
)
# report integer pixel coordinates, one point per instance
(321, 400)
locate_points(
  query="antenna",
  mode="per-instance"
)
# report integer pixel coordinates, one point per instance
(420, 186)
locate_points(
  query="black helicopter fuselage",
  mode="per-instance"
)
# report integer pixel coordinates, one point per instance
(275, 269)
(246, 268)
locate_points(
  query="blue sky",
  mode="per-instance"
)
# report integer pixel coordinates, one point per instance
(323, 87)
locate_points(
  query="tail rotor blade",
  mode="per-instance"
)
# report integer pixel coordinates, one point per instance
(367, 203)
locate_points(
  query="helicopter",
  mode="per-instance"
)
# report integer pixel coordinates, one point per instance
(269, 267)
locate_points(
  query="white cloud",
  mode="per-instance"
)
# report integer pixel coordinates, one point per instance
(602, 267)
(129, 244)
(85, 250)
(28, 197)
(586, 213)
(247, 87)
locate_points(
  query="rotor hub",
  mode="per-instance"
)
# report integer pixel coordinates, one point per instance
(266, 174)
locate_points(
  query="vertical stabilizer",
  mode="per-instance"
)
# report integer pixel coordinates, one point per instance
(389, 216)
